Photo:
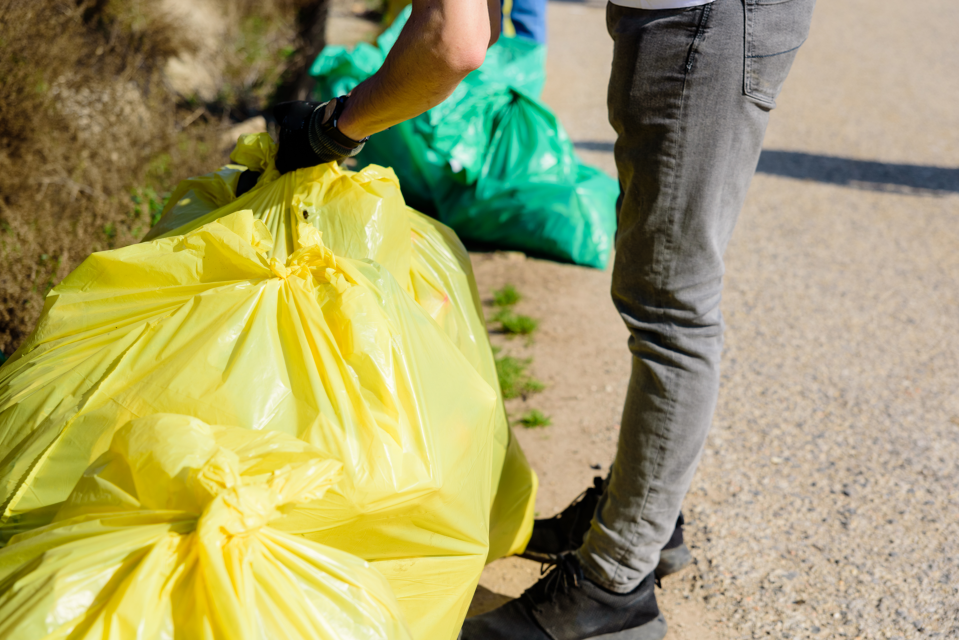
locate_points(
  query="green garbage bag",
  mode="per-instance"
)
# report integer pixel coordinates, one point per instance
(491, 161)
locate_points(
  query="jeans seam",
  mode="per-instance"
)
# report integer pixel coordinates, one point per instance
(661, 276)
(657, 467)
(760, 92)
(669, 243)
(773, 55)
(696, 40)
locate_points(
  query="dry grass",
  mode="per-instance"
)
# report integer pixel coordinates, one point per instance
(89, 127)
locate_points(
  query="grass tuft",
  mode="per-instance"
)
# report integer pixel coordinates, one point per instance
(507, 296)
(148, 204)
(514, 378)
(535, 419)
(514, 323)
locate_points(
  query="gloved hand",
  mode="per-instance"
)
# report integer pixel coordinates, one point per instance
(308, 135)
(247, 181)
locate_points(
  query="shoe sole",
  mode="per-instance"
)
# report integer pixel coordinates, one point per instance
(673, 560)
(655, 629)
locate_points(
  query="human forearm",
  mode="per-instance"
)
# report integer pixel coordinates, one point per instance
(442, 42)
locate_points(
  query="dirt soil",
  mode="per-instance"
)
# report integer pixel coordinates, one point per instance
(826, 503)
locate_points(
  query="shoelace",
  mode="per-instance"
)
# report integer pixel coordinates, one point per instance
(559, 577)
(569, 523)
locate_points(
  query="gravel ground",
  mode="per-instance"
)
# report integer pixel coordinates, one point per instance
(827, 502)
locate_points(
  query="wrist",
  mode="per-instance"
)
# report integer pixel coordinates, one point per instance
(331, 121)
(349, 127)
(326, 139)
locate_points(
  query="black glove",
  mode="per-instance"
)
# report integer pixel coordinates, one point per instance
(308, 135)
(246, 181)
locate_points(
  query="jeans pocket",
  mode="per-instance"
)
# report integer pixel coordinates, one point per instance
(775, 29)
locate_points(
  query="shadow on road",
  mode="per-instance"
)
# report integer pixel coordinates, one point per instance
(912, 179)
(861, 174)
(485, 600)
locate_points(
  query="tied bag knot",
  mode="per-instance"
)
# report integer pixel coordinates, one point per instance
(168, 533)
(239, 506)
(312, 260)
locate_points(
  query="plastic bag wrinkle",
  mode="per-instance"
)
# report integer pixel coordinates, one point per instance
(355, 332)
(204, 541)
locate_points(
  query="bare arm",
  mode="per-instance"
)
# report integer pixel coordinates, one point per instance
(441, 43)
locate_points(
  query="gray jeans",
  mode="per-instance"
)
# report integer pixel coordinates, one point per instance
(689, 97)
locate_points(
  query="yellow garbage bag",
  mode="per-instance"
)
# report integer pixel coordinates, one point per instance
(317, 305)
(167, 535)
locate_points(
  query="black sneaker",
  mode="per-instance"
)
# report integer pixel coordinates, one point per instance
(565, 531)
(675, 555)
(565, 605)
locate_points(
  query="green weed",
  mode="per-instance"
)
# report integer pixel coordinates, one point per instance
(535, 419)
(507, 296)
(147, 202)
(514, 323)
(514, 377)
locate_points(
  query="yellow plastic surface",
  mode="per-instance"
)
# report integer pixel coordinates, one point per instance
(319, 306)
(167, 536)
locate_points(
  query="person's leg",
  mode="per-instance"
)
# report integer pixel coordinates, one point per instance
(564, 532)
(689, 141)
(690, 106)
